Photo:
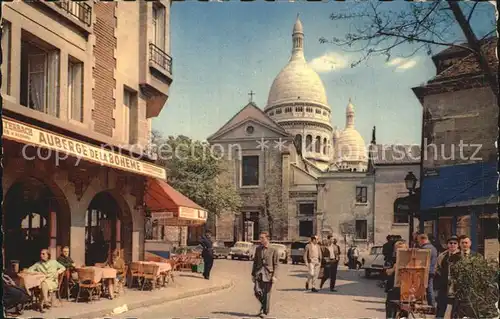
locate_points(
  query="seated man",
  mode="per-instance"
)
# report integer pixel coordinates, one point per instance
(51, 269)
(119, 264)
(65, 260)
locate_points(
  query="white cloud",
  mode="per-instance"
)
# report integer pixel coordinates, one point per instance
(402, 64)
(328, 62)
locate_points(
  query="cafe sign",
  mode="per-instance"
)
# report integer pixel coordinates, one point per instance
(30, 135)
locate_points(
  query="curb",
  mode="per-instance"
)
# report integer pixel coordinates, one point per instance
(152, 302)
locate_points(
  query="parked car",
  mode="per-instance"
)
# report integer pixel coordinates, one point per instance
(297, 251)
(242, 250)
(373, 262)
(282, 252)
(220, 250)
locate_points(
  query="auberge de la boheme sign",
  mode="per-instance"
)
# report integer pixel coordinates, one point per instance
(37, 137)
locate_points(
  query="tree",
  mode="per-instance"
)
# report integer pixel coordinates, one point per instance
(195, 171)
(428, 24)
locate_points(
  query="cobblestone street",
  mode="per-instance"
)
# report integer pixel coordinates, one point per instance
(356, 297)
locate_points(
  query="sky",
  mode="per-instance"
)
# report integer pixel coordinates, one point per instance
(223, 50)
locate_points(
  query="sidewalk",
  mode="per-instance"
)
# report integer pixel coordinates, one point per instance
(186, 285)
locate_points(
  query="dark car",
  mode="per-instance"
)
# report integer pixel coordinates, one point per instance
(220, 250)
(297, 251)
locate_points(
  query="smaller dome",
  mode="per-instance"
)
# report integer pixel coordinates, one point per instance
(351, 146)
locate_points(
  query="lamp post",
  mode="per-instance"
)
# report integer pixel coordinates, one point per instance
(411, 184)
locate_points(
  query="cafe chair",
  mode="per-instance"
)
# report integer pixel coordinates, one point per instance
(135, 273)
(150, 274)
(86, 282)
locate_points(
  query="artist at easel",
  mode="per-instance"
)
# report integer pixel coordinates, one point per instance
(393, 293)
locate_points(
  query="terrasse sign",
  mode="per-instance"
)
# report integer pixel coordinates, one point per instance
(37, 137)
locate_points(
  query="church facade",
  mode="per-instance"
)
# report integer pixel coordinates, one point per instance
(296, 174)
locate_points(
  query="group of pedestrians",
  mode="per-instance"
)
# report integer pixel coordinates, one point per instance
(440, 278)
(322, 261)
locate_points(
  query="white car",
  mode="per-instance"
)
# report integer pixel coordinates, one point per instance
(282, 252)
(242, 250)
(373, 262)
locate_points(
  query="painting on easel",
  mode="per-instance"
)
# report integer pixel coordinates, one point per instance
(412, 274)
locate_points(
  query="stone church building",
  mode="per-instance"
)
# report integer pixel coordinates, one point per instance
(298, 176)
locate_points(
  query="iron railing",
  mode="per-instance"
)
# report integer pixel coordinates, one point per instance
(160, 58)
(79, 10)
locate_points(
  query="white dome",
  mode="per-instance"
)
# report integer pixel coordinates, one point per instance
(351, 146)
(297, 82)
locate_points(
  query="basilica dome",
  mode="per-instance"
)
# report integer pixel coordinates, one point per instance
(297, 82)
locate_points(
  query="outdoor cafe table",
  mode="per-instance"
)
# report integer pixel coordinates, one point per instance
(31, 280)
(102, 273)
(163, 267)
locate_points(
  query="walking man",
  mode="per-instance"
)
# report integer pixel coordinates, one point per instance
(264, 272)
(312, 259)
(331, 262)
(207, 254)
(445, 288)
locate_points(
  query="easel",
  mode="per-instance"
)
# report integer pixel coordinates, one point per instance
(412, 276)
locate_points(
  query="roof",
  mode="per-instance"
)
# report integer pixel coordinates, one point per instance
(469, 64)
(249, 111)
(396, 154)
(160, 196)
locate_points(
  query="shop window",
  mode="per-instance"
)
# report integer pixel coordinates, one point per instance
(361, 194)
(39, 75)
(75, 89)
(361, 229)
(250, 171)
(400, 215)
(306, 209)
(463, 225)
(305, 228)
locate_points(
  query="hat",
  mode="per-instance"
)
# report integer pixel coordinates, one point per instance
(452, 238)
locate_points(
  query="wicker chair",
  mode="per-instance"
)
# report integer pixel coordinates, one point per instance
(150, 274)
(135, 273)
(86, 282)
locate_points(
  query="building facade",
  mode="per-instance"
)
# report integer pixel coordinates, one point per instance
(460, 129)
(79, 91)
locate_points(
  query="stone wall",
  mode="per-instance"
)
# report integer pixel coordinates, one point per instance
(468, 116)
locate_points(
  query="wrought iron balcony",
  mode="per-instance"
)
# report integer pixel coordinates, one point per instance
(160, 58)
(79, 10)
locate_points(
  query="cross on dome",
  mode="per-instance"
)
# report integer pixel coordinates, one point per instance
(251, 94)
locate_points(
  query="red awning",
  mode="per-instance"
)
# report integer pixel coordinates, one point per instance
(170, 207)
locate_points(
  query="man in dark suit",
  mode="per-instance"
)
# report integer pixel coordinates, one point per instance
(207, 253)
(264, 272)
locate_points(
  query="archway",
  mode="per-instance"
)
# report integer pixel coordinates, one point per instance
(108, 226)
(36, 217)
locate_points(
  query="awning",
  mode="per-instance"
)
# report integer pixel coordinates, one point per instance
(170, 208)
(460, 186)
(31, 135)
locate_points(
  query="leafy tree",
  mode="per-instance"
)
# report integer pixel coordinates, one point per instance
(195, 171)
(424, 24)
(476, 282)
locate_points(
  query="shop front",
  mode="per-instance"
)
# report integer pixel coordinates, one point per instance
(61, 189)
(462, 200)
(169, 214)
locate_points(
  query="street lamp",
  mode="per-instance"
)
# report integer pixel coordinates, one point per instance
(411, 184)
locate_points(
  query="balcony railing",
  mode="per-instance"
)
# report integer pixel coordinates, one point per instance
(160, 58)
(79, 10)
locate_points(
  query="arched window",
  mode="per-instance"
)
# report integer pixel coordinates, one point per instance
(324, 145)
(317, 144)
(309, 140)
(298, 143)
